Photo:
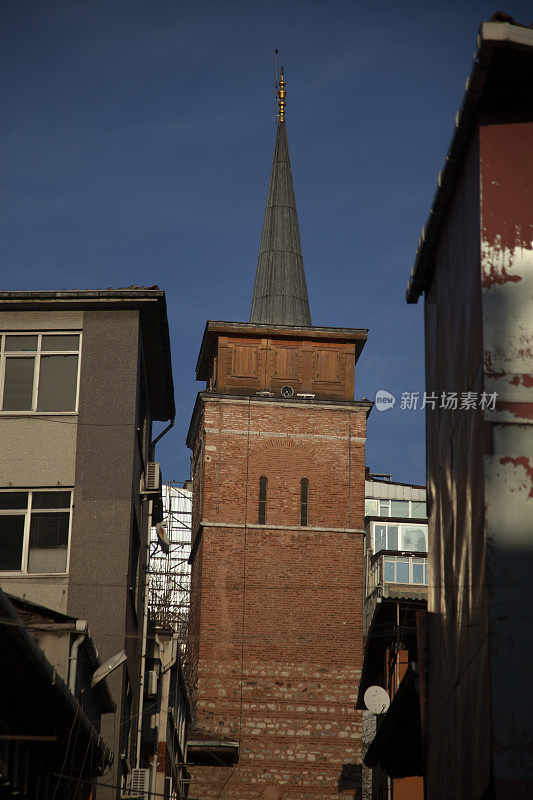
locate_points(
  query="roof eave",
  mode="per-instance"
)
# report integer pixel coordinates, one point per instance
(151, 304)
(491, 36)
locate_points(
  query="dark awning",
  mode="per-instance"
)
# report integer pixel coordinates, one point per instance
(36, 703)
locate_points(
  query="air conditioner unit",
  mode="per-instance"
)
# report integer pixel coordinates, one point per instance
(139, 785)
(151, 482)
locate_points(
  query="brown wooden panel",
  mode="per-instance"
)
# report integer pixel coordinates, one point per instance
(327, 365)
(286, 363)
(245, 361)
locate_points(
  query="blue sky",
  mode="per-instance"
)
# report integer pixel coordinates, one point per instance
(137, 144)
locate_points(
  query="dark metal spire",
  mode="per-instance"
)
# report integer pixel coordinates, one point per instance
(280, 291)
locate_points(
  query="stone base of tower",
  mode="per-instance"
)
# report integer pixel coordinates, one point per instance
(295, 722)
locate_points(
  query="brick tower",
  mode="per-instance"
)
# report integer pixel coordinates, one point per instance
(278, 459)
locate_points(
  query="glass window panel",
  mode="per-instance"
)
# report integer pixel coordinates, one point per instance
(48, 542)
(399, 508)
(21, 343)
(392, 537)
(18, 384)
(371, 508)
(414, 538)
(384, 508)
(426, 573)
(9, 500)
(418, 571)
(402, 570)
(418, 509)
(60, 342)
(50, 500)
(57, 383)
(380, 538)
(11, 539)
(389, 571)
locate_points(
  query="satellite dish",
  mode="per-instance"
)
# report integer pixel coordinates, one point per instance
(287, 391)
(108, 667)
(376, 699)
(162, 538)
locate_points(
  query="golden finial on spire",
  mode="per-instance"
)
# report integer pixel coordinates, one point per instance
(281, 97)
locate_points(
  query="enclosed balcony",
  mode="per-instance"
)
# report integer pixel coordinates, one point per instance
(398, 575)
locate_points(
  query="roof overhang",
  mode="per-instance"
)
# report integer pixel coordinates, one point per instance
(150, 302)
(213, 752)
(499, 83)
(215, 328)
(33, 698)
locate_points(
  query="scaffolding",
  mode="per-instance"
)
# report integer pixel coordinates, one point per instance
(170, 573)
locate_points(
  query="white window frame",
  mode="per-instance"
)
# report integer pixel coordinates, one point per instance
(36, 355)
(23, 571)
(398, 525)
(386, 510)
(410, 582)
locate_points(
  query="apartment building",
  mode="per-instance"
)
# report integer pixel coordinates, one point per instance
(83, 376)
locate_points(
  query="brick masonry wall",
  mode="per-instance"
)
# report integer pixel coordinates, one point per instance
(276, 618)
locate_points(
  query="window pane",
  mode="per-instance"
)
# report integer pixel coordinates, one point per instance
(392, 537)
(414, 539)
(60, 342)
(304, 499)
(426, 572)
(418, 572)
(371, 508)
(11, 537)
(18, 385)
(57, 383)
(50, 500)
(384, 508)
(418, 509)
(48, 543)
(389, 570)
(20, 343)
(380, 539)
(263, 482)
(399, 508)
(402, 570)
(10, 500)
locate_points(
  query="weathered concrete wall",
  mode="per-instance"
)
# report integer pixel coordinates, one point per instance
(38, 451)
(279, 615)
(102, 516)
(458, 701)
(506, 158)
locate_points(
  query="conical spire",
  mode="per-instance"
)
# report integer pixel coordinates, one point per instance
(280, 291)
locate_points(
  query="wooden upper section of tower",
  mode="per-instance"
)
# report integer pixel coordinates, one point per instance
(246, 359)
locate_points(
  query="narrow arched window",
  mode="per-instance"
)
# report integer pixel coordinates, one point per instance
(262, 500)
(304, 502)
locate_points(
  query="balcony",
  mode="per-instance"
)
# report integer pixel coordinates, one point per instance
(394, 575)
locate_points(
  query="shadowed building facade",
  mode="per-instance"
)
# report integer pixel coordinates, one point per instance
(278, 447)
